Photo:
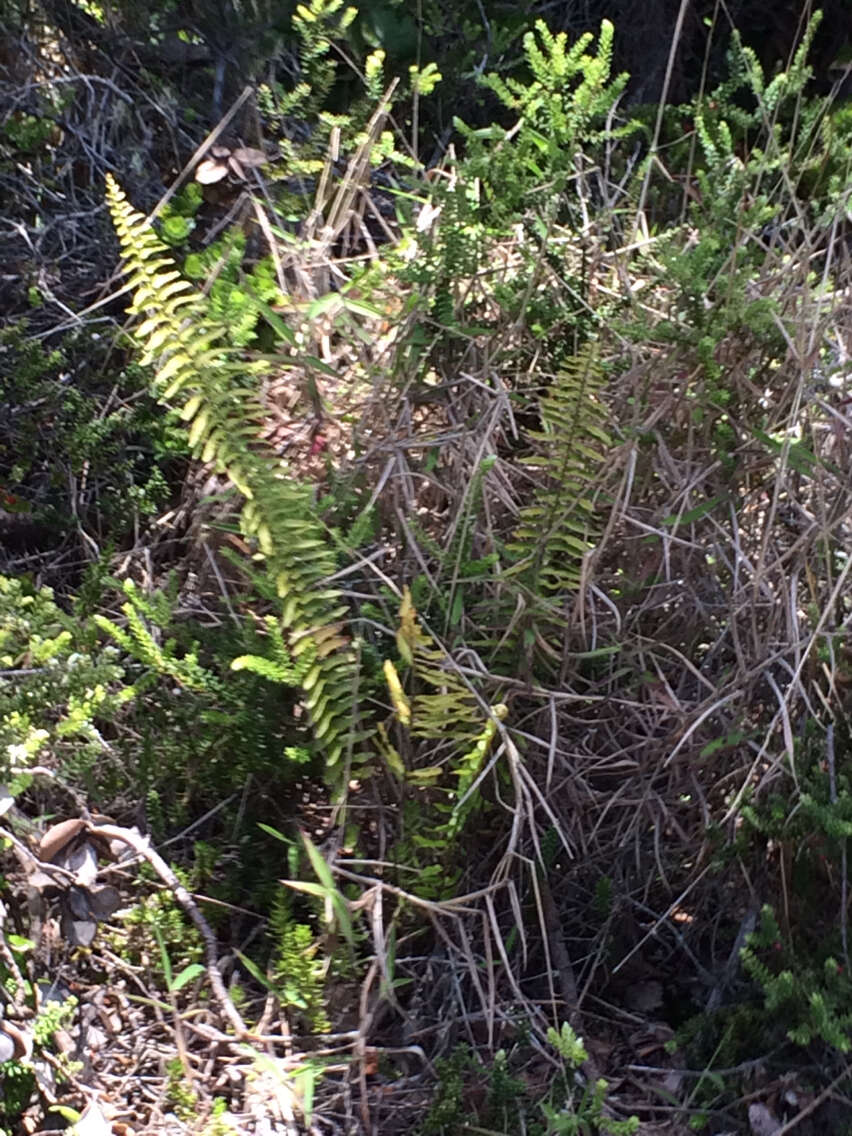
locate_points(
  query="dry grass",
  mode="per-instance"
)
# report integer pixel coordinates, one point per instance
(707, 635)
(643, 710)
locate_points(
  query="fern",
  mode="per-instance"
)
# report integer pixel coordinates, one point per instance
(279, 667)
(557, 530)
(56, 689)
(210, 384)
(756, 136)
(449, 712)
(296, 971)
(453, 711)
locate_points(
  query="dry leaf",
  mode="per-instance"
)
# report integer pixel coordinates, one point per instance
(120, 849)
(58, 836)
(55, 991)
(247, 156)
(673, 1081)
(761, 1121)
(78, 903)
(104, 901)
(83, 862)
(81, 932)
(20, 1042)
(41, 881)
(427, 217)
(210, 171)
(78, 930)
(93, 1122)
(46, 1080)
(64, 1042)
(644, 997)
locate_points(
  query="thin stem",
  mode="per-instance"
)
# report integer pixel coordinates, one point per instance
(844, 882)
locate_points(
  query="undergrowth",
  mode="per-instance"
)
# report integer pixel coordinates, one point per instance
(495, 664)
(526, 276)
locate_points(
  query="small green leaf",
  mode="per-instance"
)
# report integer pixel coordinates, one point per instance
(694, 514)
(598, 652)
(320, 867)
(69, 1114)
(713, 747)
(362, 309)
(308, 888)
(318, 365)
(428, 773)
(330, 302)
(164, 956)
(186, 975)
(270, 831)
(306, 1079)
(256, 973)
(457, 609)
(19, 943)
(276, 323)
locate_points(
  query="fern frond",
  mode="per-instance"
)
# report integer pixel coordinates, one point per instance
(201, 376)
(449, 712)
(557, 530)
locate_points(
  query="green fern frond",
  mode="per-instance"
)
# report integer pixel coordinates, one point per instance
(450, 712)
(278, 666)
(453, 711)
(215, 392)
(559, 528)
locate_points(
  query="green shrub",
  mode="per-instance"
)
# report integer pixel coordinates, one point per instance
(69, 427)
(567, 1109)
(57, 692)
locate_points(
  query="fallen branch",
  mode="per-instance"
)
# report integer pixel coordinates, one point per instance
(142, 847)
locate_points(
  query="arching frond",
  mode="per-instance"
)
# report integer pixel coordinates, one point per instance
(200, 375)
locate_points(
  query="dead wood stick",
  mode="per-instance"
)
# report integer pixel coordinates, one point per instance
(142, 847)
(818, 1100)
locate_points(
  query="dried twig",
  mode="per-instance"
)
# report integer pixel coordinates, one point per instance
(142, 846)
